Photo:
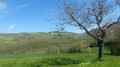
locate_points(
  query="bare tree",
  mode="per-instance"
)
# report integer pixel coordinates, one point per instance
(86, 15)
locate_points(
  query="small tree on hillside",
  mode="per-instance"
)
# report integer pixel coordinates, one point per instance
(85, 16)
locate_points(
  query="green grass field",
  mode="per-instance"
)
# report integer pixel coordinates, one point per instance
(33, 59)
(61, 60)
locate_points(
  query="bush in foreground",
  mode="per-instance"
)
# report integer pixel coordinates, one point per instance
(79, 47)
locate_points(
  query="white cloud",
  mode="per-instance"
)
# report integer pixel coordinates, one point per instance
(23, 6)
(93, 27)
(4, 11)
(11, 27)
(2, 6)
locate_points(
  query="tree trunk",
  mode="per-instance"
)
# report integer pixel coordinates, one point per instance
(100, 43)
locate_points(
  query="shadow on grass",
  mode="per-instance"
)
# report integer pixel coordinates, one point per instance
(58, 61)
(107, 54)
(110, 54)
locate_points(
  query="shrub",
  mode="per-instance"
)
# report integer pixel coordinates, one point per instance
(53, 49)
(37, 45)
(116, 41)
(79, 47)
(115, 49)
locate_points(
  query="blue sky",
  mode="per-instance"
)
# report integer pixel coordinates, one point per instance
(25, 16)
(28, 16)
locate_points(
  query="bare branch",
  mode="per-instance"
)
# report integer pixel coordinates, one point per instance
(83, 27)
(113, 23)
(118, 2)
(81, 15)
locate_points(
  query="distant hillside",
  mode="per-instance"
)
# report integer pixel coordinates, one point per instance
(40, 42)
(111, 32)
(6, 38)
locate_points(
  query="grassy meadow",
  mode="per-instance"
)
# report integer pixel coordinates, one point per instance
(61, 60)
(52, 50)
